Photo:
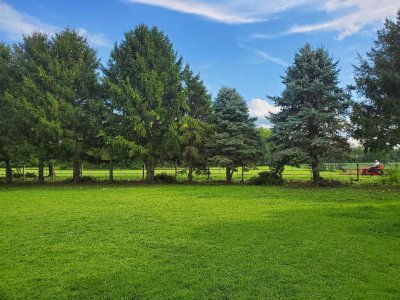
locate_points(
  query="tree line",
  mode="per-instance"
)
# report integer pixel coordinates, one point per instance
(146, 103)
(58, 102)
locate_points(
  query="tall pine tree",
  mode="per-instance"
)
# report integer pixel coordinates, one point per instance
(144, 78)
(78, 88)
(377, 76)
(311, 123)
(236, 141)
(34, 61)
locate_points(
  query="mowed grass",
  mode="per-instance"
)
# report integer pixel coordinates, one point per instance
(199, 242)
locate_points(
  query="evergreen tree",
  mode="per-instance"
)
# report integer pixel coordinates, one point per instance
(34, 61)
(10, 126)
(311, 123)
(236, 141)
(196, 127)
(143, 75)
(78, 88)
(377, 77)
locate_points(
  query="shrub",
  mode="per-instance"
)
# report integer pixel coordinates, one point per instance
(164, 178)
(393, 176)
(267, 178)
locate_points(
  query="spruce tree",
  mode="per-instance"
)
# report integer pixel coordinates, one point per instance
(236, 141)
(377, 76)
(311, 124)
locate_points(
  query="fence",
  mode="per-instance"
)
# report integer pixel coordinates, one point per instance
(331, 171)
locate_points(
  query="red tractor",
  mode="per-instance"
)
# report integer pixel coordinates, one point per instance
(373, 171)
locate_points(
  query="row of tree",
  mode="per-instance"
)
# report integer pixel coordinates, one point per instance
(55, 105)
(57, 101)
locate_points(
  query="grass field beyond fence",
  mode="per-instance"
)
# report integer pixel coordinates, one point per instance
(199, 242)
(346, 172)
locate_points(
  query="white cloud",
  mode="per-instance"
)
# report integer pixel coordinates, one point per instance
(16, 23)
(259, 108)
(362, 13)
(95, 39)
(227, 11)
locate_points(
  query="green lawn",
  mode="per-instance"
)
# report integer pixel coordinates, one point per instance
(199, 242)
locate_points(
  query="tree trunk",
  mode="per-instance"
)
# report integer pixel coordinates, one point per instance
(242, 173)
(52, 173)
(229, 175)
(76, 177)
(150, 170)
(23, 171)
(41, 171)
(111, 171)
(190, 173)
(9, 176)
(315, 171)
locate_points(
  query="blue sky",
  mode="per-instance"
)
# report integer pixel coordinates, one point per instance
(246, 44)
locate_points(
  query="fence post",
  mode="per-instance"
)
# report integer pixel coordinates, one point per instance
(358, 172)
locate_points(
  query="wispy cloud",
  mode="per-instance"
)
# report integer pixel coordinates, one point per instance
(362, 13)
(227, 11)
(16, 23)
(265, 56)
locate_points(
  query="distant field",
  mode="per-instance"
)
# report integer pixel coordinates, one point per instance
(349, 173)
(199, 242)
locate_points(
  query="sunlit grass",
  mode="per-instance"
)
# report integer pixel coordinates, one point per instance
(199, 242)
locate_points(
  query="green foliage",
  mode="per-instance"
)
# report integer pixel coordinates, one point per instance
(236, 141)
(265, 134)
(267, 178)
(165, 178)
(377, 118)
(311, 124)
(77, 87)
(37, 96)
(144, 84)
(391, 176)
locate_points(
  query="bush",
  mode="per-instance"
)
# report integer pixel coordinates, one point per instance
(393, 176)
(30, 175)
(267, 178)
(164, 178)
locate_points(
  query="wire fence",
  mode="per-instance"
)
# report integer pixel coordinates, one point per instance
(331, 171)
